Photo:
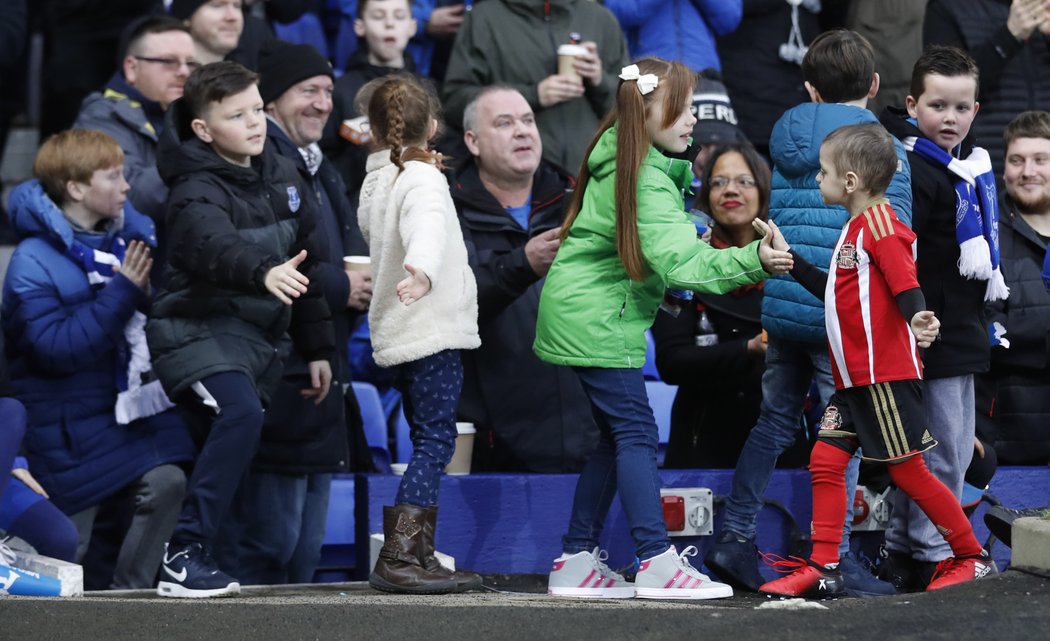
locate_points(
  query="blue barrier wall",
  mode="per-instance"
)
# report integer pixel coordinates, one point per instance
(512, 524)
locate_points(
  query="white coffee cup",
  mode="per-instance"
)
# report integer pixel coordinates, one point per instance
(460, 463)
(567, 55)
(357, 263)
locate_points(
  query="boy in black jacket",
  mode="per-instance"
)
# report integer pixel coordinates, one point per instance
(935, 129)
(236, 213)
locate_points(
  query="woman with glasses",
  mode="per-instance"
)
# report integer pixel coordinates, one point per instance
(713, 350)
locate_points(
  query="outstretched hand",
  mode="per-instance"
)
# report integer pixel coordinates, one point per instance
(926, 328)
(416, 286)
(772, 251)
(285, 281)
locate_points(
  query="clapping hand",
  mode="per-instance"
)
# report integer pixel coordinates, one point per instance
(137, 264)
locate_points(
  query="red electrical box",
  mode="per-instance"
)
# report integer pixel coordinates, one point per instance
(674, 512)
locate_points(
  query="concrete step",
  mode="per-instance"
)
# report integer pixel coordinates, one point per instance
(1031, 545)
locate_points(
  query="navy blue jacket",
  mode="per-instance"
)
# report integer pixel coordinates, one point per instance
(65, 342)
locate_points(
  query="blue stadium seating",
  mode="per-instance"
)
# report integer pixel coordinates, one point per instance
(661, 398)
(375, 424)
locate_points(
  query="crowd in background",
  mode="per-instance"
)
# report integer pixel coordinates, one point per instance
(518, 119)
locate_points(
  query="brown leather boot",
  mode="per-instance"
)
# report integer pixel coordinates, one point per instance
(465, 581)
(400, 567)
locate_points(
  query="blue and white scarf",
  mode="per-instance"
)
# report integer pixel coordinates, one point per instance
(138, 396)
(976, 213)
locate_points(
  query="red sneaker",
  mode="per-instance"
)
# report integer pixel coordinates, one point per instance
(805, 579)
(952, 571)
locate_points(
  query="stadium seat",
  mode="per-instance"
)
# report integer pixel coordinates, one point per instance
(661, 398)
(374, 424)
(403, 437)
(649, 368)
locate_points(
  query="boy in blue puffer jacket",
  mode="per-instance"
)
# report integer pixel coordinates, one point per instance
(839, 73)
(74, 303)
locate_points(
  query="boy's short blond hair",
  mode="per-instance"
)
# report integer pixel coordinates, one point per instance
(75, 154)
(868, 151)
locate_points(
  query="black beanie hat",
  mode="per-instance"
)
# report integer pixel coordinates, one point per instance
(282, 64)
(183, 9)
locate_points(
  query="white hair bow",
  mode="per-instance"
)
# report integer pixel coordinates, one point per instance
(646, 83)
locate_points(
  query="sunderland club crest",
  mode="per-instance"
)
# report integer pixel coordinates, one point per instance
(847, 258)
(832, 419)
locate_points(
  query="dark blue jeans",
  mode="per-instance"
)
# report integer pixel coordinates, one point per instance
(624, 461)
(283, 519)
(229, 402)
(790, 366)
(430, 389)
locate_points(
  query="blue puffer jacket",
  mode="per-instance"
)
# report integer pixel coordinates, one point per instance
(64, 342)
(681, 30)
(810, 226)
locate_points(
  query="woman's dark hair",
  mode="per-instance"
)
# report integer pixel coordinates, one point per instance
(759, 170)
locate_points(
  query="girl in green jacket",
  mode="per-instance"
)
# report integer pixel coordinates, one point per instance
(626, 239)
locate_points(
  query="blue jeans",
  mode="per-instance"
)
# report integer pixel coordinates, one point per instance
(430, 389)
(624, 461)
(283, 519)
(790, 366)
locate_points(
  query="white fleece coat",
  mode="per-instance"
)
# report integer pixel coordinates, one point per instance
(409, 218)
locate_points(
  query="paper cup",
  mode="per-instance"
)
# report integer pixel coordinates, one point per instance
(460, 463)
(357, 263)
(398, 469)
(566, 56)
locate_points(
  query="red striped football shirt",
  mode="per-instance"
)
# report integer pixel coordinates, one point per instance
(870, 341)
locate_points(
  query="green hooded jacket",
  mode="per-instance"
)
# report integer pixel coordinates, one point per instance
(591, 313)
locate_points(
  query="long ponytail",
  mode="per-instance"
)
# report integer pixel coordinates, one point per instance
(629, 115)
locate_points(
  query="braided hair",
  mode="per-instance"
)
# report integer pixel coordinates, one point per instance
(400, 112)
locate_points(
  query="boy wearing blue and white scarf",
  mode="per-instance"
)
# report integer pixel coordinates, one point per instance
(954, 215)
(75, 285)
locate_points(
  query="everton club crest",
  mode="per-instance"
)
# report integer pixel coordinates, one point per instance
(293, 199)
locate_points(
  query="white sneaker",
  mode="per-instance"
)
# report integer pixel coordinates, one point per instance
(670, 576)
(584, 575)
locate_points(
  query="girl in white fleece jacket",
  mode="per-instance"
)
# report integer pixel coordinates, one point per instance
(423, 312)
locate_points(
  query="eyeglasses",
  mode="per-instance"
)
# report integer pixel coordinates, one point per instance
(171, 64)
(721, 182)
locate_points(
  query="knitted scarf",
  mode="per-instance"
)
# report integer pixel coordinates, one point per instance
(976, 212)
(140, 395)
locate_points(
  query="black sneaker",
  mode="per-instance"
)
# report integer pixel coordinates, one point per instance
(190, 573)
(858, 579)
(1000, 520)
(898, 569)
(735, 560)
